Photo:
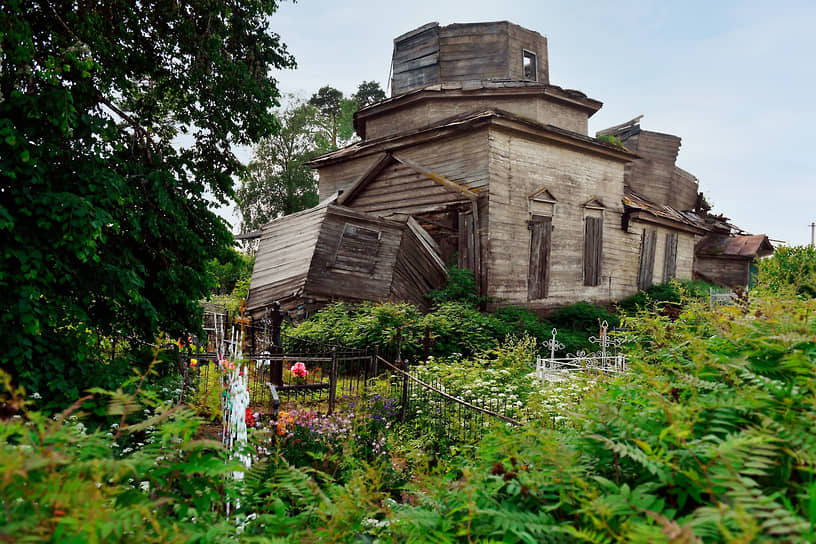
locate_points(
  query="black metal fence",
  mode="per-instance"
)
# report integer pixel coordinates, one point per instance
(331, 372)
(429, 408)
(424, 407)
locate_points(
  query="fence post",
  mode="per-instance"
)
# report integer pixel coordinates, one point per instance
(276, 366)
(375, 361)
(404, 366)
(333, 381)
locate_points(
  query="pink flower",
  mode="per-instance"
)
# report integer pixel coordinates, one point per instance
(299, 370)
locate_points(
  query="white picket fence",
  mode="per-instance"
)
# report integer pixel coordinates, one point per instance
(605, 360)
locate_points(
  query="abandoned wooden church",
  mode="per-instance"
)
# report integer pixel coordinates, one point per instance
(476, 160)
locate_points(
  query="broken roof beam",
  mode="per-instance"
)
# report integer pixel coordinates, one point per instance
(616, 128)
(442, 180)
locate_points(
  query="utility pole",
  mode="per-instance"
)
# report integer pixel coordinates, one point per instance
(812, 234)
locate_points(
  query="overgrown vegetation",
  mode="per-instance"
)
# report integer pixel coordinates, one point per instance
(113, 146)
(790, 270)
(708, 437)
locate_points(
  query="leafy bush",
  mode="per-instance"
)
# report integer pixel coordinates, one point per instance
(460, 286)
(674, 292)
(456, 327)
(789, 270)
(707, 438)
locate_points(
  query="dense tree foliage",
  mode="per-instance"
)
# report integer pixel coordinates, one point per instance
(790, 269)
(116, 123)
(368, 93)
(278, 181)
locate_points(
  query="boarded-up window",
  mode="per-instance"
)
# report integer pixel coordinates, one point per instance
(647, 258)
(357, 250)
(467, 245)
(538, 275)
(670, 267)
(593, 249)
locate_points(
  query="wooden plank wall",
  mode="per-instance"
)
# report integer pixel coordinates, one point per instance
(521, 38)
(474, 52)
(415, 62)
(416, 273)
(684, 256)
(520, 167)
(423, 114)
(723, 271)
(655, 176)
(401, 190)
(685, 187)
(370, 282)
(283, 258)
(336, 176)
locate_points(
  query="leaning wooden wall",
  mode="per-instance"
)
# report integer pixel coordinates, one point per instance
(336, 273)
(283, 258)
(416, 273)
(520, 167)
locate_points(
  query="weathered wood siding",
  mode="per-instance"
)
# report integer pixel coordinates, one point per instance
(724, 271)
(521, 38)
(464, 52)
(416, 273)
(654, 176)
(334, 177)
(284, 255)
(400, 190)
(663, 237)
(519, 168)
(415, 62)
(424, 113)
(371, 280)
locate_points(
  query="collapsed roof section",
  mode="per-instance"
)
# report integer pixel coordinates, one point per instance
(331, 252)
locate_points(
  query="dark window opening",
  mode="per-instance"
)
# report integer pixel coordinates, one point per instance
(529, 65)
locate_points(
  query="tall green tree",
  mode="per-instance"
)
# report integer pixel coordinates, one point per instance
(328, 103)
(116, 124)
(368, 93)
(278, 181)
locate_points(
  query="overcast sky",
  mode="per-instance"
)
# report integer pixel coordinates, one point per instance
(733, 79)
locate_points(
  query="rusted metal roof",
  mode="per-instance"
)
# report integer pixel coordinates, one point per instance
(748, 246)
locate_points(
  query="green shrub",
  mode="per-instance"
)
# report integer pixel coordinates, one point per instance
(518, 320)
(456, 327)
(655, 296)
(708, 438)
(789, 270)
(460, 286)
